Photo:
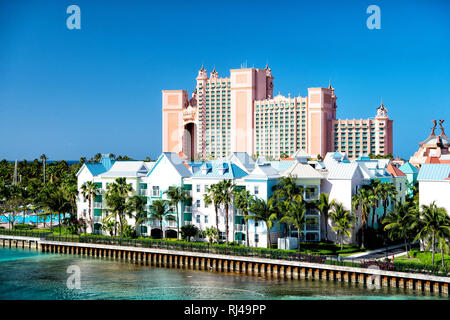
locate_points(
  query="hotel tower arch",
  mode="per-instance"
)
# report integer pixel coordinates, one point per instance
(240, 114)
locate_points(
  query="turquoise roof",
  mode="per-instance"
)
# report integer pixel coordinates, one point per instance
(96, 168)
(281, 166)
(434, 172)
(408, 168)
(220, 169)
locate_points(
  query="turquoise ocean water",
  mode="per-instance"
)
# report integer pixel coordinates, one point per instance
(30, 274)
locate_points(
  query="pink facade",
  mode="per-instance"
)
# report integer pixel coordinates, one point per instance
(240, 114)
(363, 136)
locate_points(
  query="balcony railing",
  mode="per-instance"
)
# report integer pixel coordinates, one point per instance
(240, 227)
(171, 224)
(312, 227)
(187, 222)
(155, 193)
(98, 205)
(143, 192)
(97, 219)
(154, 223)
(187, 209)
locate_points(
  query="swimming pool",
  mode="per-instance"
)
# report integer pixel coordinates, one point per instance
(33, 219)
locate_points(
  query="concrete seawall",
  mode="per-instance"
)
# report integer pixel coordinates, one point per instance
(245, 265)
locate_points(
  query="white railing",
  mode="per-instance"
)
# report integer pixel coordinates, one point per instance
(187, 222)
(155, 193)
(187, 209)
(154, 223)
(312, 227)
(143, 192)
(171, 224)
(98, 205)
(97, 219)
(239, 227)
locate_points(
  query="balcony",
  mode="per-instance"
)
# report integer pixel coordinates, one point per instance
(97, 219)
(98, 205)
(143, 192)
(153, 223)
(239, 228)
(187, 209)
(312, 227)
(171, 224)
(155, 193)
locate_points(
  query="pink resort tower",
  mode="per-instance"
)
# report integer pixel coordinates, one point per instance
(240, 114)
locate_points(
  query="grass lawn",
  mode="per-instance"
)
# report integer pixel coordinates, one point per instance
(418, 257)
(328, 249)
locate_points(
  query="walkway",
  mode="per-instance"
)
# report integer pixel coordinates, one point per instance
(380, 253)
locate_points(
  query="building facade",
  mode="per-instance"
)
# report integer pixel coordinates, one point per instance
(240, 114)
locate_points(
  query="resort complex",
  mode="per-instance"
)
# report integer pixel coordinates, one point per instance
(336, 176)
(240, 113)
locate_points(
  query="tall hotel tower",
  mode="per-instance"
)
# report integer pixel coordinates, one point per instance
(240, 114)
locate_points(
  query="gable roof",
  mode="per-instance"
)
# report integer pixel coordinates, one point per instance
(434, 172)
(263, 171)
(393, 170)
(302, 171)
(408, 168)
(220, 169)
(243, 159)
(127, 169)
(177, 163)
(342, 171)
(94, 168)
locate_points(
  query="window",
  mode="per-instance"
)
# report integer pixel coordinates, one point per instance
(197, 203)
(197, 218)
(206, 219)
(198, 188)
(256, 238)
(221, 236)
(84, 212)
(155, 191)
(206, 188)
(256, 189)
(256, 224)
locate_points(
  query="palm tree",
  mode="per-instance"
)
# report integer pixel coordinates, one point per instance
(243, 200)
(265, 212)
(57, 202)
(117, 194)
(160, 211)
(226, 190)
(434, 222)
(399, 223)
(89, 190)
(342, 220)
(213, 195)
(295, 216)
(177, 195)
(285, 191)
(44, 160)
(135, 208)
(386, 192)
(375, 189)
(362, 200)
(324, 205)
(442, 237)
(211, 233)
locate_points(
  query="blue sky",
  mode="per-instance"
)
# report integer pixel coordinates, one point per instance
(72, 93)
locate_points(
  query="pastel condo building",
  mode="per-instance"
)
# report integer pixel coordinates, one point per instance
(336, 175)
(239, 113)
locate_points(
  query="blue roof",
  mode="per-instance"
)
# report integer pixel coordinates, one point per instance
(220, 169)
(434, 171)
(408, 168)
(282, 166)
(96, 168)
